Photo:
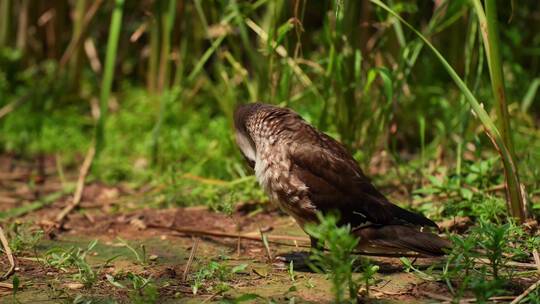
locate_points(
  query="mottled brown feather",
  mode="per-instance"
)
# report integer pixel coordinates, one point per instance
(307, 171)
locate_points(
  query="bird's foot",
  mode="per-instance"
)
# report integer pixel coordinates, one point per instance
(300, 260)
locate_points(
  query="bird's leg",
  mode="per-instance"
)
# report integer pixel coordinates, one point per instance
(300, 259)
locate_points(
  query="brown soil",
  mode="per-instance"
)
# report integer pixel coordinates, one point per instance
(110, 214)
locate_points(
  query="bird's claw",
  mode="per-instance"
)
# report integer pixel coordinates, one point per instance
(300, 260)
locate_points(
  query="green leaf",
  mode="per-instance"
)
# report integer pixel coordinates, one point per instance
(466, 193)
(283, 30)
(16, 284)
(115, 283)
(239, 268)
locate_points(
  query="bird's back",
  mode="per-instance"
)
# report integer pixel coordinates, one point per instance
(306, 171)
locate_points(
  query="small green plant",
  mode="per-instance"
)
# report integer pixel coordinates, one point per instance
(479, 261)
(219, 195)
(368, 274)
(215, 277)
(140, 257)
(290, 271)
(142, 290)
(23, 237)
(16, 285)
(339, 261)
(65, 258)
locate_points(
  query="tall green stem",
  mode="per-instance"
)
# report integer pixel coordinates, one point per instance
(5, 22)
(490, 34)
(110, 59)
(76, 59)
(168, 21)
(513, 187)
(154, 55)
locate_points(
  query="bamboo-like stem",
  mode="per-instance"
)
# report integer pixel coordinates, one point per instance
(110, 59)
(74, 44)
(75, 64)
(514, 191)
(489, 27)
(490, 35)
(22, 26)
(5, 22)
(154, 56)
(168, 22)
(163, 80)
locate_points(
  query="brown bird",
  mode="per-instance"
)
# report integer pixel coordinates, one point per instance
(306, 171)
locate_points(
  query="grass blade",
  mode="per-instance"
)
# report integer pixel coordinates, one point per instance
(490, 34)
(110, 59)
(516, 203)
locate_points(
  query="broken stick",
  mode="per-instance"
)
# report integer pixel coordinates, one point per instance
(191, 257)
(85, 168)
(9, 254)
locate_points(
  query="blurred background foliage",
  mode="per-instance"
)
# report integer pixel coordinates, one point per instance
(347, 66)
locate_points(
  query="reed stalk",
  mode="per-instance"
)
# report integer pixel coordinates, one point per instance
(164, 65)
(75, 64)
(108, 75)
(22, 26)
(153, 58)
(5, 22)
(490, 34)
(516, 203)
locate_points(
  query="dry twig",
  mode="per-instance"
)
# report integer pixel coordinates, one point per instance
(85, 168)
(264, 239)
(536, 257)
(9, 254)
(490, 300)
(511, 264)
(274, 239)
(436, 296)
(526, 292)
(5, 110)
(191, 257)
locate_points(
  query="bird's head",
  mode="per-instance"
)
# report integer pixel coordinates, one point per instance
(246, 144)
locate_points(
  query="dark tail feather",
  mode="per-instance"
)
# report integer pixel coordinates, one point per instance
(401, 239)
(411, 217)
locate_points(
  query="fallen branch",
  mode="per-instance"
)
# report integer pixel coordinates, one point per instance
(274, 239)
(526, 292)
(9, 254)
(254, 236)
(536, 257)
(85, 168)
(510, 264)
(436, 296)
(473, 300)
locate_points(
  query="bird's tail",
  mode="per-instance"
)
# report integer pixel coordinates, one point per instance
(400, 239)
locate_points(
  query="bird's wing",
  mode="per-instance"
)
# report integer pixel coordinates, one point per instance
(335, 182)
